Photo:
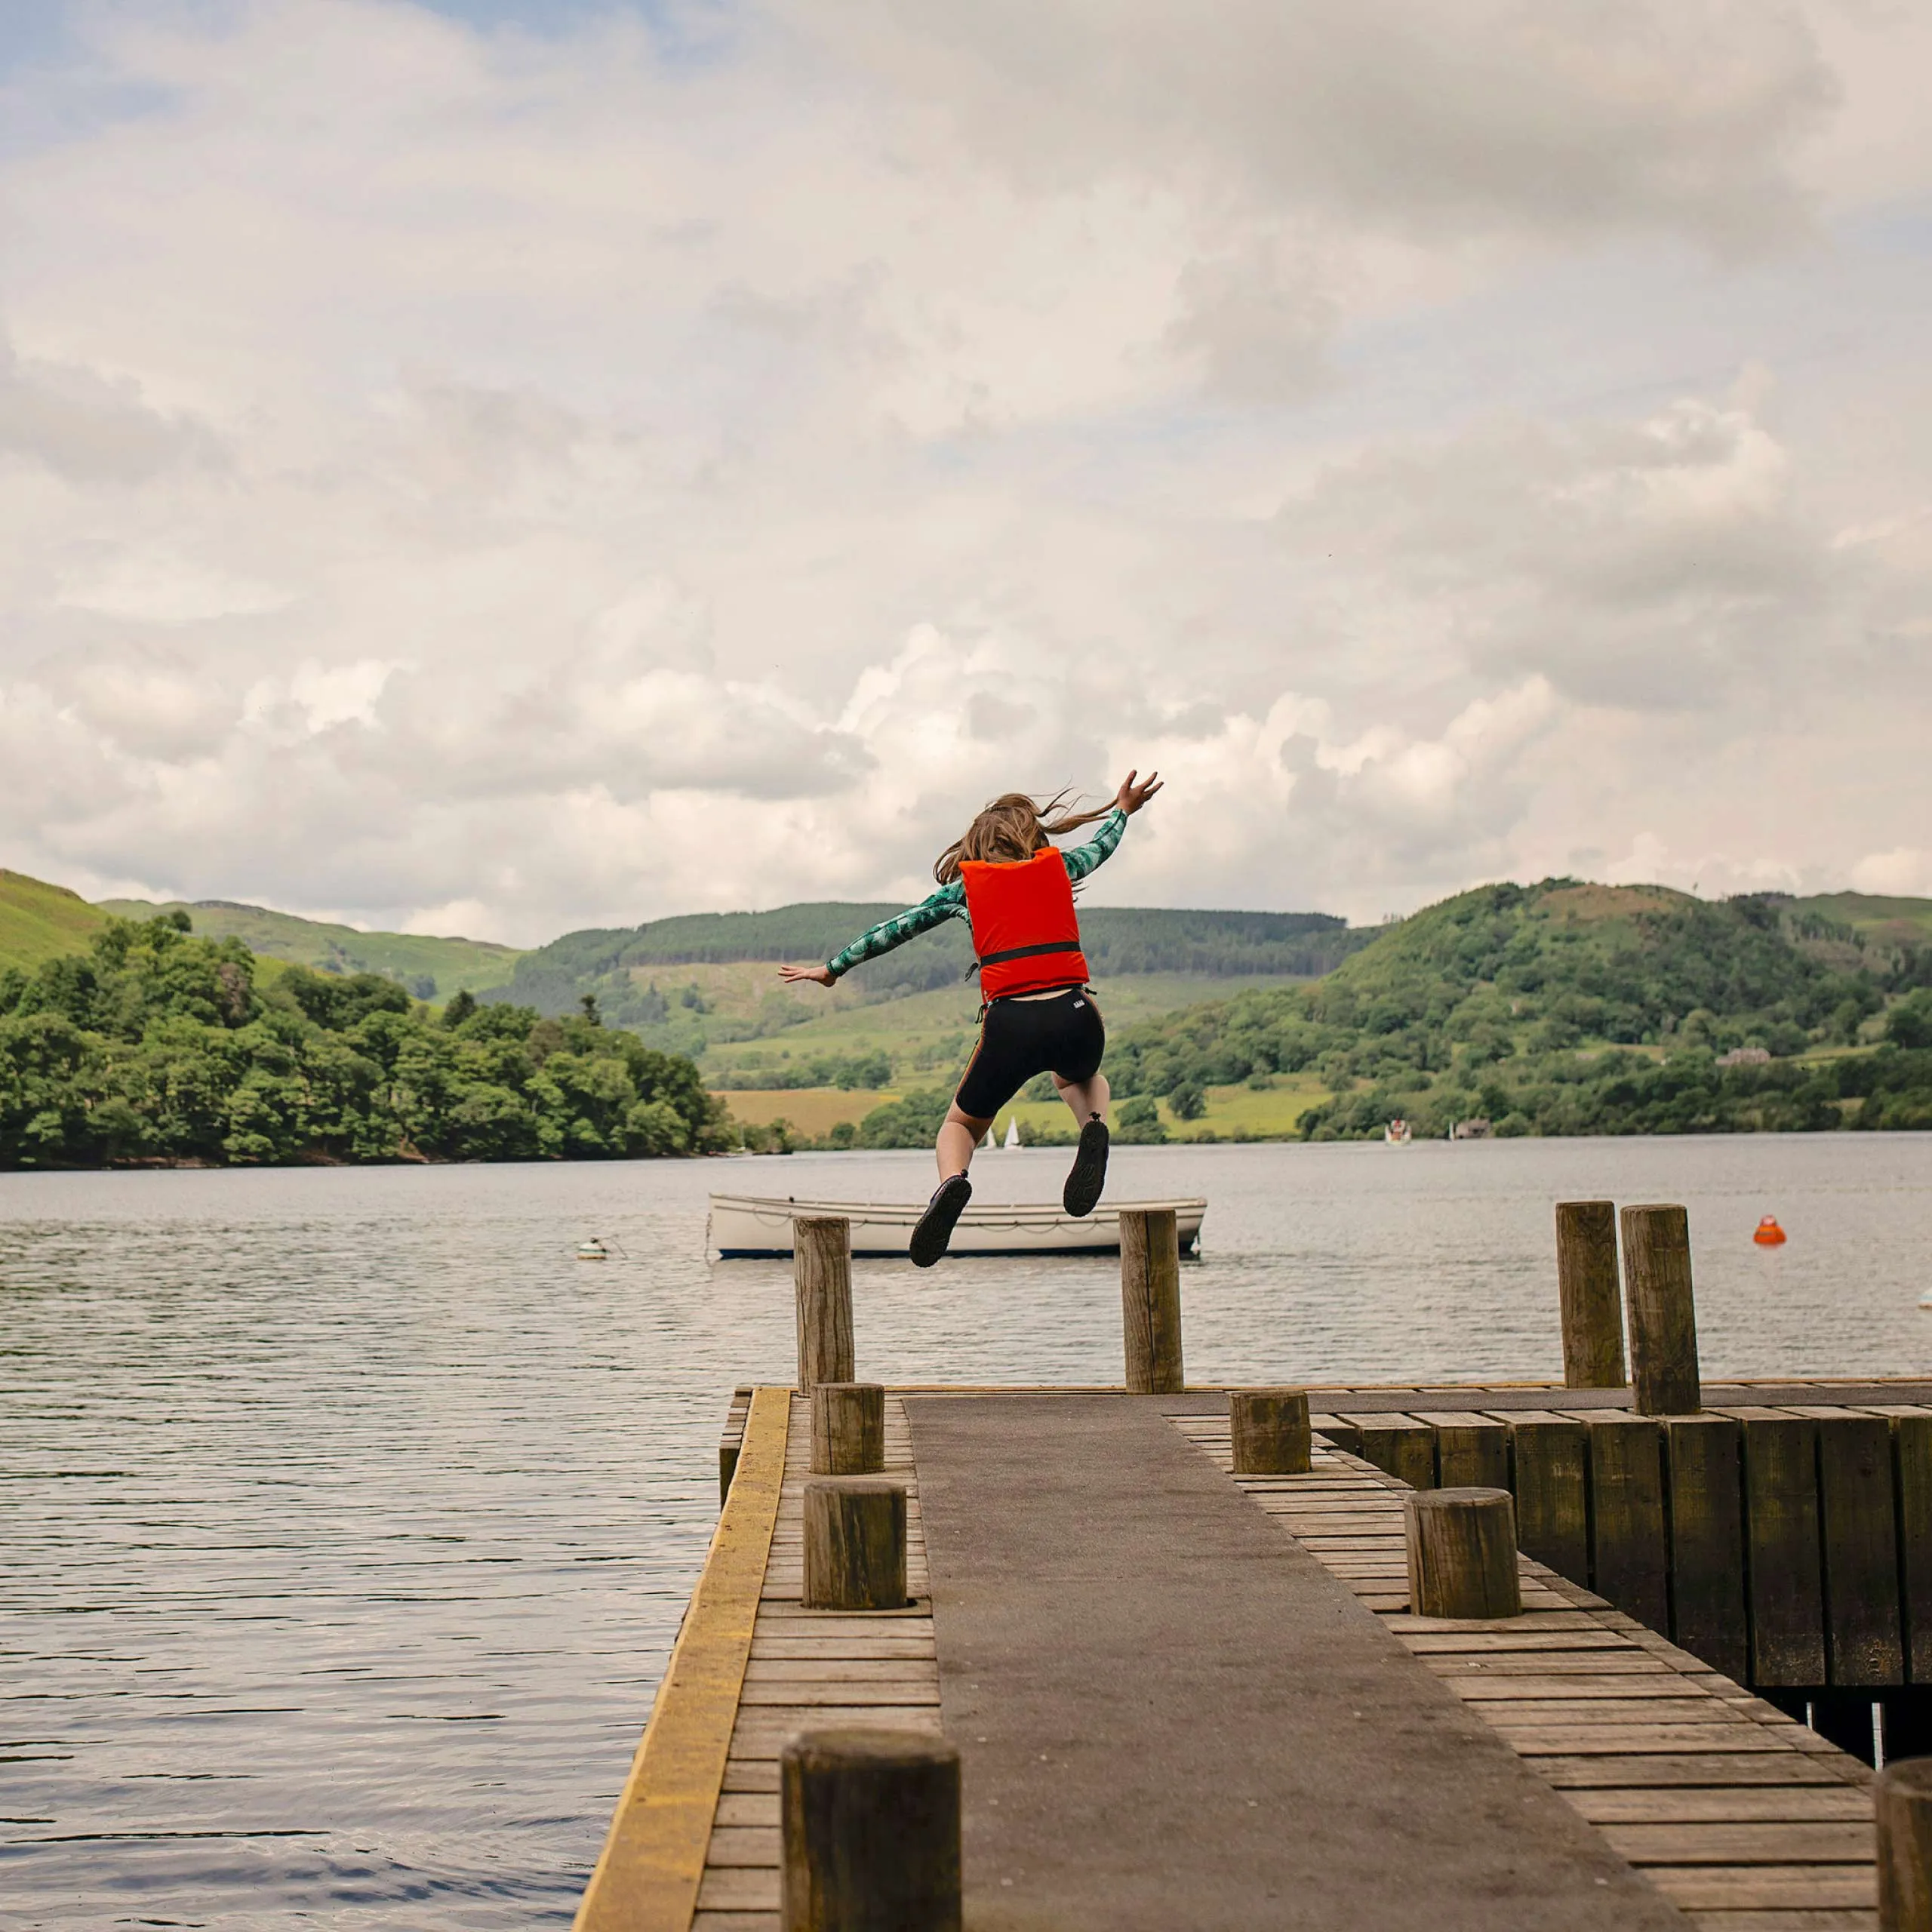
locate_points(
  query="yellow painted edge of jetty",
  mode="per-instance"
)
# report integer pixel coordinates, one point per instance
(648, 1874)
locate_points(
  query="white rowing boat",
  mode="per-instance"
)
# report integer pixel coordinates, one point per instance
(745, 1227)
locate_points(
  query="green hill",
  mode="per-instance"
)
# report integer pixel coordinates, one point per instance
(41, 922)
(432, 969)
(1568, 1008)
(631, 971)
(1876, 920)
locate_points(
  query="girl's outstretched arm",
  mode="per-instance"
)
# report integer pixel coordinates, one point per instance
(948, 903)
(1084, 858)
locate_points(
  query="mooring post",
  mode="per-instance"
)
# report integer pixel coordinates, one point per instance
(1902, 1810)
(1592, 1301)
(855, 1543)
(1462, 1553)
(870, 1831)
(848, 1429)
(1662, 1312)
(821, 1272)
(1270, 1430)
(1150, 1300)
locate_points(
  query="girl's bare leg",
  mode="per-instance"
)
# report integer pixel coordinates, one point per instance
(1088, 1098)
(958, 1137)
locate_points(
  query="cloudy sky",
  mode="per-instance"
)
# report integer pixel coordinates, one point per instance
(507, 465)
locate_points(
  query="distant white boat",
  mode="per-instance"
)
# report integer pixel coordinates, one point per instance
(744, 1227)
(1012, 1133)
(1397, 1132)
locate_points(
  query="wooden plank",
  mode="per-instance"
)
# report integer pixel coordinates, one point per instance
(1471, 1451)
(1617, 1687)
(1666, 1770)
(1794, 1919)
(1864, 1641)
(1767, 1887)
(1550, 1457)
(1786, 1575)
(1638, 1740)
(1703, 1470)
(1400, 1446)
(1911, 1471)
(1790, 1842)
(1806, 1803)
(647, 1877)
(1332, 1429)
(1629, 1556)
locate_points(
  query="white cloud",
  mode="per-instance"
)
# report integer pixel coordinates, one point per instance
(521, 481)
(1904, 871)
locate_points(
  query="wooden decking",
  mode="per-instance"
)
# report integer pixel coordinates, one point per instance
(809, 1668)
(1745, 1820)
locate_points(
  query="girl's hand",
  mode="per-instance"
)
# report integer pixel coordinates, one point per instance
(1131, 797)
(818, 975)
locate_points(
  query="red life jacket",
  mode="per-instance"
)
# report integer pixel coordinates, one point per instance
(1025, 936)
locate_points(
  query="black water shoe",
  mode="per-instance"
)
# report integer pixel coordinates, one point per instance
(1083, 1184)
(935, 1230)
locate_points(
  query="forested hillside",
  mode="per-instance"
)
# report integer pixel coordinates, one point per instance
(431, 968)
(1568, 1008)
(153, 1045)
(618, 967)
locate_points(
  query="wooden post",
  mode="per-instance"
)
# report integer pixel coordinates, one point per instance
(1462, 1553)
(1629, 1561)
(1911, 1471)
(1399, 1446)
(1863, 1641)
(1472, 1451)
(821, 1271)
(870, 1831)
(855, 1543)
(1902, 1811)
(1271, 1432)
(1550, 1460)
(1150, 1300)
(732, 1441)
(848, 1429)
(1663, 1314)
(1704, 1481)
(1587, 1286)
(1784, 1567)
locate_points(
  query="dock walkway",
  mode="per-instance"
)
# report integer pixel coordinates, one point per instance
(1152, 1669)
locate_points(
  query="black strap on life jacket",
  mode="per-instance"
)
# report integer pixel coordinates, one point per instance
(1030, 952)
(1023, 952)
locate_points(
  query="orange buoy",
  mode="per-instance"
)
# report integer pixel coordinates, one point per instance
(1769, 1234)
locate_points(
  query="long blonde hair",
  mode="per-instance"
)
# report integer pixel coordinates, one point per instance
(1011, 830)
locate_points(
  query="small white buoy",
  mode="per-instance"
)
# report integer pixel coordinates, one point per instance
(592, 1250)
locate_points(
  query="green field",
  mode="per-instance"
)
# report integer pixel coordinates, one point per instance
(1886, 922)
(926, 1036)
(1241, 1113)
(431, 968)
(41, 922)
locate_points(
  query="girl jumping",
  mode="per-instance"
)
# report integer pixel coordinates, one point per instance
(1015, 888)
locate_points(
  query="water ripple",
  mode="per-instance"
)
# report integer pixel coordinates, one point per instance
(347, 1520)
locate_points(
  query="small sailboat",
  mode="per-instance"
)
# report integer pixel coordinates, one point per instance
(1012, 1133)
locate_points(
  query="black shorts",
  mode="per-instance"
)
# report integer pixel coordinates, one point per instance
(1020, 1038)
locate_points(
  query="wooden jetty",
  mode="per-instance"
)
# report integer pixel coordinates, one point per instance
(1184, 1694)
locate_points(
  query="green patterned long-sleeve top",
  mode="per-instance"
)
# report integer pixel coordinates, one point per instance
(950, 901)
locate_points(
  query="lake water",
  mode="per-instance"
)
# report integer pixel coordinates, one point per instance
(346, 1519)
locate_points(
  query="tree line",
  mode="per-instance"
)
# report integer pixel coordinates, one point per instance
(155, 1046)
